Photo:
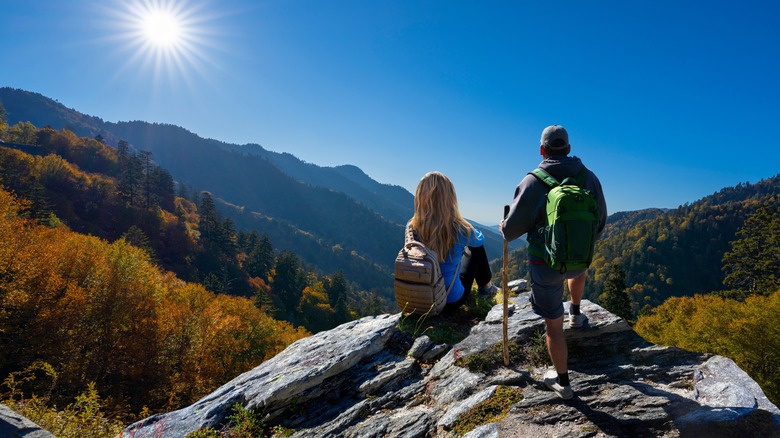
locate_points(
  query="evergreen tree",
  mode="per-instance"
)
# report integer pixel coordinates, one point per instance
(136, 237)
(183, 191)
(163, 188)
(245, 240)
(227, 239)
(260, 256)
(213, 283)
(129, 173)
(753, 264)
(263, 301)
(288, 282)
(146, 176)
(373, 305)
(3, 121)
(337, 295)
(615, 297)
(209, 219)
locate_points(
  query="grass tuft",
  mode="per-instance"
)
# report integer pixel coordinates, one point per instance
(491, 410)
(532, 354)
(449, 328)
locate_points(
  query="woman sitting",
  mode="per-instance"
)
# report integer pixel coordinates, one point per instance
(437, 222)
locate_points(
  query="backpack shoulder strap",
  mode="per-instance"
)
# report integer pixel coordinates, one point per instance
(409, 233)
(576, 180)
(456, 276)
(581, 177)
(545, 177)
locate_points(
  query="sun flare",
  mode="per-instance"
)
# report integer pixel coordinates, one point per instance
(161, 28)
(171, 39)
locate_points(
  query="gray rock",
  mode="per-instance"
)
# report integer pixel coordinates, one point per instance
(414, 422)
(720, 382)
(434, 352)
(420, 346)
(387, 372)
(517, 285)
(454, 384)
(729, 422)
(489, 430)
(358, 381)
(274, 384)
(457, 409)
(13, 425)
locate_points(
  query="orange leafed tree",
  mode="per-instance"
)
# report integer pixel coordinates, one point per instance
(101, 312)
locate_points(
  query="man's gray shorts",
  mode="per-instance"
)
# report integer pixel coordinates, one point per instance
(547, 289)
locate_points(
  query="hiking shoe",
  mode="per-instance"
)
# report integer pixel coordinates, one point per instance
(551, 381)
(489, 289)
(577, 320)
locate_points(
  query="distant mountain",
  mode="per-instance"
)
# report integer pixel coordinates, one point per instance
(318, 212)
(623, 221)
(394, 203)
(41, 111)
(299, 216)
(493, 239)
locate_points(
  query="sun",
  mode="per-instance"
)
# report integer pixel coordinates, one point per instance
(162, 26)
(169, 39)
(162, 29)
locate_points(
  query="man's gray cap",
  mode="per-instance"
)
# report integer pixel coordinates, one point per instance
(555, 138)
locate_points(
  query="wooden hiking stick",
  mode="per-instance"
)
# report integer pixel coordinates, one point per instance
(505, 290)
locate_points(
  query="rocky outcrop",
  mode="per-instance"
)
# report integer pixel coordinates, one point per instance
(367, 378)
(13, 425)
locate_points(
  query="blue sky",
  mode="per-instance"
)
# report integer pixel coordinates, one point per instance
(667, 101)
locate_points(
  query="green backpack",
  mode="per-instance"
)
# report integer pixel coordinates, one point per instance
(571, 224)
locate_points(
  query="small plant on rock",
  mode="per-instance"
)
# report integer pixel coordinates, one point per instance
(491, 410)
(532, 353)
(245, 423)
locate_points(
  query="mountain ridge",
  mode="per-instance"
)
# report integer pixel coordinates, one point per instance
(677, 252)
(188, 157)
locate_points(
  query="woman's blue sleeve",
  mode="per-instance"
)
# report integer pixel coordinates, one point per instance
(477, 238)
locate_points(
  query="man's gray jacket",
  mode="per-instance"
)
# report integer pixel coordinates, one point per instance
(526, 215)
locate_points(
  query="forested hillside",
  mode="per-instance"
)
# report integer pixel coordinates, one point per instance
(320, 225)
(677, 252)
(255, 185)
(359, 213)
(95, 189)
(739, 322)
(623, 221)
(86, 310)
(680, 253)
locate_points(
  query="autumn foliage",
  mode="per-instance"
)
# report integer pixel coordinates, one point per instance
(746, 332)
(101, 312)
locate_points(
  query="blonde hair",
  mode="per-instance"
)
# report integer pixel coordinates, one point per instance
(437, 219)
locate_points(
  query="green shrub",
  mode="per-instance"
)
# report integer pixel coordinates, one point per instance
(82, 418)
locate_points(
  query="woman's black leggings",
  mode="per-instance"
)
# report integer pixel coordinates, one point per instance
(474, 265)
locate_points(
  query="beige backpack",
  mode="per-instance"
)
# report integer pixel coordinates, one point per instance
(419, 285)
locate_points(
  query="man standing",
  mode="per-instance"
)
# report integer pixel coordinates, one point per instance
(527, 215)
